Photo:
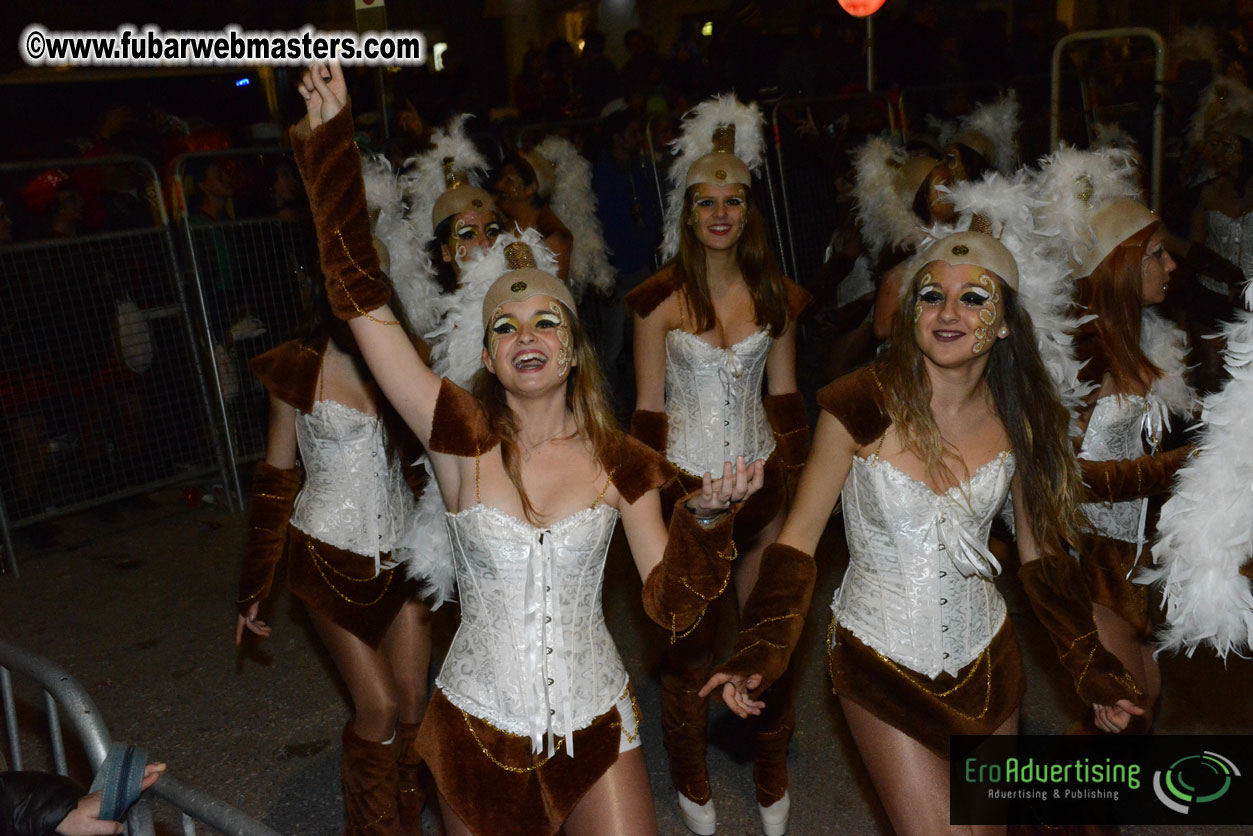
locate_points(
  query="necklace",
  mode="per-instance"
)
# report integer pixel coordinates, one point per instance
(528, 449)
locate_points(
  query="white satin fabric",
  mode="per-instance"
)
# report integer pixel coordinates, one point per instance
(532, 655)
(352, 498)
(1232, 238)
(714, 402)
(919, 584)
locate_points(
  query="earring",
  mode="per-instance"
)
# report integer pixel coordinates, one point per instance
(1003, 333)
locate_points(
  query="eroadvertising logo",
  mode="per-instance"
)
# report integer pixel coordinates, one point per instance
(1152, 779)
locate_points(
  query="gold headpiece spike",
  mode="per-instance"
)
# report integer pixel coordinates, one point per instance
(724, 139)
(451, 178)
(981, 223)
(518, 256)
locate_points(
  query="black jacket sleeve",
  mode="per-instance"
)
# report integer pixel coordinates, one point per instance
(34, 803)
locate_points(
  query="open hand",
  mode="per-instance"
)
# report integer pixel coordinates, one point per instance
(735, 690)
(1114, 718)
(737, 483)
(250, 621)
(324, 91)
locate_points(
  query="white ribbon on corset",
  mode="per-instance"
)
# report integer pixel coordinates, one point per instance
(729, 371)
(541, 626)
(969, 556)
(1156, 422)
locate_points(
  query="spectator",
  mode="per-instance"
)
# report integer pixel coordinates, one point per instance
(596, 79)
(560, 99)
(38, 803)
(645, 68)
(528, 90)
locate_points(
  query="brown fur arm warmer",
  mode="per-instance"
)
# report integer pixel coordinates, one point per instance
(1058, 596)
(273, 495)
(693, 572)
(651, 428)
(774, 615)
(1120, 480)
(787, 417)
(331, 168)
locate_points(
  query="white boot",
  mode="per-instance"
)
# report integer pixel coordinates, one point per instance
(700, 818)
(774, 818)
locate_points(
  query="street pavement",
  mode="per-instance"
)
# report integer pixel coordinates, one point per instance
(140, 611)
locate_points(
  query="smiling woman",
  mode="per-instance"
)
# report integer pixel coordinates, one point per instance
(532, 728)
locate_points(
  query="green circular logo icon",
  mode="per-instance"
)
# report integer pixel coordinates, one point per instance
(1194, 779)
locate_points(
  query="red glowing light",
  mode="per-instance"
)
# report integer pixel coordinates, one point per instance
(861, 8)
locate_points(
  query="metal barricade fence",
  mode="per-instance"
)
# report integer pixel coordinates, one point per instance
(101, 395)
(256, 281)
(63, 694)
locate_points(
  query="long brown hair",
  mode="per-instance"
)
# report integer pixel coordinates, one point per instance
(1025, 399)
(585, 398)
(756, 261)
(1111, 342)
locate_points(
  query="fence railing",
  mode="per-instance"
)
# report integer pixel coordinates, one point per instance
(63, 695)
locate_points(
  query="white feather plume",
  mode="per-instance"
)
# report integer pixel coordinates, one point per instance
(423, 182)
(1205, 533)
(574, 202)
(410, 269)
(1070, 186)
(1166, 346)
(426, 553)
(885, 219)
(1224, 101)
(695, 140)
(998, 121)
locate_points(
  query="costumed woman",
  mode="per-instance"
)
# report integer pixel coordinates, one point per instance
(715, 330)
(922, 448)
(1134, 362)
(332, 495)
(532, 727)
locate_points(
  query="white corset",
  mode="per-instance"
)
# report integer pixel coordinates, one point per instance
(1232, 238)
(352, 498)
(919, 584)
(713, 402)
(1115, 432)
(532, 655)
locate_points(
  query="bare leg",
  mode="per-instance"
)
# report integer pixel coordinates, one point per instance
(745, 569)
(1135, 654)
(368, 676)
(911, 780)
(619, 804)
(453, 825)
(406, 647)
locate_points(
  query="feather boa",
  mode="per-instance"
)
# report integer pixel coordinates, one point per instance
(1224, 101)
(1070, 186)
(998, 121)
(1166, 346)
(423, 182)
(1205, 535)
(695, 140)
(575, 203)
(410, 268)
(885, 220)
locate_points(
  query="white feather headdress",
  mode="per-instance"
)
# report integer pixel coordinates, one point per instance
(695, 140)
(1226, 105)
(409, 266)
(1044, 284)
(998, 122)
(575, 203)
(885, 219)
(424, 182)
(1204, 533)
(1070, 187)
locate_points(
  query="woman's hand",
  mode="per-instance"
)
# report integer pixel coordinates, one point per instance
(84, 819)
(1114, 718)
(737, 483)
(324, 91)
(735, 689)
(251, 621)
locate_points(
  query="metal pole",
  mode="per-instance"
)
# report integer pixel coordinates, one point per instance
(1159, 78)
(10, 557)
(870, 79)
(787, 210)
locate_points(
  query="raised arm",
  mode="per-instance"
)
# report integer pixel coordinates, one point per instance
(356, 286)
(648, 422)
(1058, 596)
(774, 614)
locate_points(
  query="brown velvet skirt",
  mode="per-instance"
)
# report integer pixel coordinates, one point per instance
(342, 586)
(1105, 563)
(496, 785)
(760, 508)
(978, 700)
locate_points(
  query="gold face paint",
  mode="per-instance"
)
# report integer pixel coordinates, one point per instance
(987, 313)
(502, 325)
(565, 354)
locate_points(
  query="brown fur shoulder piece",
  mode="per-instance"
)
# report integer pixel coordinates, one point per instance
(654, 290)
(459, 426)
(635, 468)
(290, 371)
(798, 299)
(858, 402)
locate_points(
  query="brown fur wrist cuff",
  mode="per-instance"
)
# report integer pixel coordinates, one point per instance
(273, 495)
(693, 572)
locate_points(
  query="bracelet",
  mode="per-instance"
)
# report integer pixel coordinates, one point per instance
(705, 520)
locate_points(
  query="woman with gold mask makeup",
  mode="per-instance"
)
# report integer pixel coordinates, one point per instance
(715, 360)
(523, 190)
(532, 728)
